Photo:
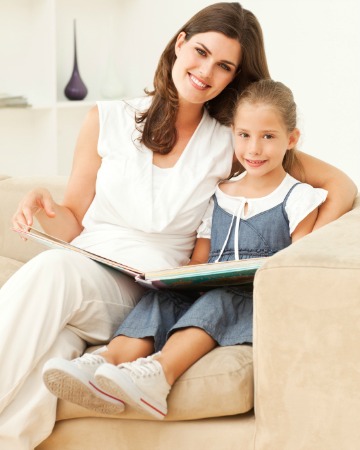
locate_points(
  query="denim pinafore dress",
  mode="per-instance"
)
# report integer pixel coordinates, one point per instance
(225, 313)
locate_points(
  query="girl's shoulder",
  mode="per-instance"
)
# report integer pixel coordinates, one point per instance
(302, 192)
(301, 201)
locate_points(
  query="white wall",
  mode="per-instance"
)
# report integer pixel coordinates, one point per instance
(313, 46)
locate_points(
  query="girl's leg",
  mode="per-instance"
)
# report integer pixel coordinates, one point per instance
(123, 349)
(183, 348)
(144, 330)
(146, 324)
(146, 382)
(221, 316)
(56, 289)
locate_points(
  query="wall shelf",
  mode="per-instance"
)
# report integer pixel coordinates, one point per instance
(36, 61)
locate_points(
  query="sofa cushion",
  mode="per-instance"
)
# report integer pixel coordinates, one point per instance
(219, 384)
(8, 266)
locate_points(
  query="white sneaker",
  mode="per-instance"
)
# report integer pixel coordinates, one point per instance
(74, 381)
(141, 384)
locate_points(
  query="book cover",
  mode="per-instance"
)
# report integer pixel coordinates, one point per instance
(197, 276)
(205, 276)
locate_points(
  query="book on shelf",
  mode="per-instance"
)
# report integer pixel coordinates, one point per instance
(13, 101)
(197, 276)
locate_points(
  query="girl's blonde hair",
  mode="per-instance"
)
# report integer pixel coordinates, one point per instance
(157, 124)
(280, 97)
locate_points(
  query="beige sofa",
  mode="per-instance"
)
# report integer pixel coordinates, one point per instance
(305, 360)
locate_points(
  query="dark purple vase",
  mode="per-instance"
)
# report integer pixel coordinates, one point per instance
(75, 89)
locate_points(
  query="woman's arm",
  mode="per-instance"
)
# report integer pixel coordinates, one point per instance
(341, 189)
(306, 226)
(65, 220)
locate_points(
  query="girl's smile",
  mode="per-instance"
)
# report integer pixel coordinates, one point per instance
(255, 163)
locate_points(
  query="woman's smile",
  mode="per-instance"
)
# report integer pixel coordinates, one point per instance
(198, 84)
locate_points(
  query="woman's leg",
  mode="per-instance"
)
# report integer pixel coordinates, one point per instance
(30, 417)
(56, 289)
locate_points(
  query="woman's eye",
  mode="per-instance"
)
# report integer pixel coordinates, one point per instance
(243, 135)
(225, 67)
(201, 51)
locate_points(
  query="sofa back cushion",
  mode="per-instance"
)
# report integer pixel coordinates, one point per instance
(12, 190)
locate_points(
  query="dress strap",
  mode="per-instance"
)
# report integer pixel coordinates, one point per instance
(286, 199)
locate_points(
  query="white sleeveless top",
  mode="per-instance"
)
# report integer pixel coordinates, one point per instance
(140, 224)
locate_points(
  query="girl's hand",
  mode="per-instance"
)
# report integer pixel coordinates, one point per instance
(33, 203)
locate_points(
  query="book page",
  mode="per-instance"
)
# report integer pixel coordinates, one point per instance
(53, 242)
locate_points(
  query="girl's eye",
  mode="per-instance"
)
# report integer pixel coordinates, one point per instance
(243, 135)
(268, 136)
(201, 51)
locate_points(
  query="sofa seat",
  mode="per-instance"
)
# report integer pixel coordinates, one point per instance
(302, 374)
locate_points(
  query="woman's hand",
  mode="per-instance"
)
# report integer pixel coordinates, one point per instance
(64, 220)
(36, 201)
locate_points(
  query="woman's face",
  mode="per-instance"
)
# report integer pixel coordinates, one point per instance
(204, 66)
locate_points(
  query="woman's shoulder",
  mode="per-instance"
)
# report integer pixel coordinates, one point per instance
(121, 111)
(136, 104)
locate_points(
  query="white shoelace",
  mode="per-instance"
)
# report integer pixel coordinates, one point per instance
(142, 367)
(89, 359)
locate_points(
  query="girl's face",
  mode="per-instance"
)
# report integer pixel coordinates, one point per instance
(204, 66)
(261, 139)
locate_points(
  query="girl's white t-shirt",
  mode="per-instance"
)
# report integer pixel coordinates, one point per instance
(144, 221)
(302, 200)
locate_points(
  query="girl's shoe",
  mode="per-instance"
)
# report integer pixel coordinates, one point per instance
(141, 384)
(74, 381)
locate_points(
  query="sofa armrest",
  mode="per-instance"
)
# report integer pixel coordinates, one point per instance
(11, 192)
(307, 341)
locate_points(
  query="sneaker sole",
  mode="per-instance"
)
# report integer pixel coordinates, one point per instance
(66, 387)
(119, 385)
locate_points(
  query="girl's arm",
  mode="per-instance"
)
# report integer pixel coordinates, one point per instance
(200, 254)
(65, 220)
(341, 189)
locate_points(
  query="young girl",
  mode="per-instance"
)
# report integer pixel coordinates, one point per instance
(255, 214)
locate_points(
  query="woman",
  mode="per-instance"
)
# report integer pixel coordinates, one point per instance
(142, 177)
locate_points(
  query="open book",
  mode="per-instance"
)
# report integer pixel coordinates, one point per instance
(197, 276)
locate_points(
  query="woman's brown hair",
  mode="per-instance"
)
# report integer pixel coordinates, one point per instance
(157, 124)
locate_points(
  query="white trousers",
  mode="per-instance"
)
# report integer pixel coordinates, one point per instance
(52, 306)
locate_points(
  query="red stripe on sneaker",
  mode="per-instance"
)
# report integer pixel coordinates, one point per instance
(153, 407)
(105, 393)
